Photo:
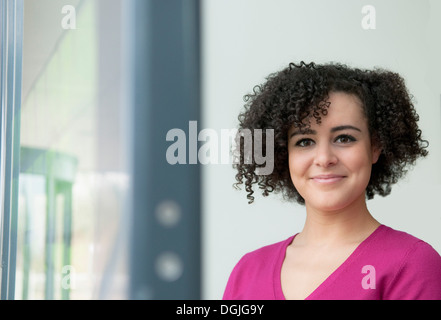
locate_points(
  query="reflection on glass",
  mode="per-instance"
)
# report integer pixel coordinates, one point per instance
(73, 182)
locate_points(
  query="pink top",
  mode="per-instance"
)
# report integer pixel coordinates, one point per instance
(389, 264)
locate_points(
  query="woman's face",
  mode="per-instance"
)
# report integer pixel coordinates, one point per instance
(330, 164)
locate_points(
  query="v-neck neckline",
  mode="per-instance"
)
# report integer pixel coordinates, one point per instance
(278, 292)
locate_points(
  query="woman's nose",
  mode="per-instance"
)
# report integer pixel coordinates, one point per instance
(325, 157)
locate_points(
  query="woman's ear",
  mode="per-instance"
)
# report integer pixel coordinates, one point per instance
(376, 152)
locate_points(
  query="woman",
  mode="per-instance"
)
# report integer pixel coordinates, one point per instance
(342, 135)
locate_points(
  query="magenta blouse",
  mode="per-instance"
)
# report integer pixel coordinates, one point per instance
(389, 264)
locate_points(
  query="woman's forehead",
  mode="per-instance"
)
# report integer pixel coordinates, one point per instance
(343, 109)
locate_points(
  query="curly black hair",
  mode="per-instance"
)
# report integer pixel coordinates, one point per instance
(298, 94)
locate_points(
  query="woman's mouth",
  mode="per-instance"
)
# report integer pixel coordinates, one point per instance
(328, 178)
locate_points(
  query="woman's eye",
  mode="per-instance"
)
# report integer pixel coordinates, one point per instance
(345, 139)
(304, 143)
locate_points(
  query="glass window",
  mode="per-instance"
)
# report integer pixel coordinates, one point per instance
(71, 241)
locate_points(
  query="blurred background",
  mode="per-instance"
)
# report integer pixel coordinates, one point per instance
(98, 213)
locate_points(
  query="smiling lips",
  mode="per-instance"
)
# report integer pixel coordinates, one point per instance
(328, 178)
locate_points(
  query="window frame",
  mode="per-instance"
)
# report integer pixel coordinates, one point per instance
(11, 12)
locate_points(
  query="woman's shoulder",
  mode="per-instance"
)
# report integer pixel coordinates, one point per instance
(264, 257)
(253, 275)
(399, 245)
(269, 250)
(393, 240)
(418, 272)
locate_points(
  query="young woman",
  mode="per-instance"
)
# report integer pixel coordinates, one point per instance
(342, 135)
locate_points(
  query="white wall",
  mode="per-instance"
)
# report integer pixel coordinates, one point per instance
(245, 40)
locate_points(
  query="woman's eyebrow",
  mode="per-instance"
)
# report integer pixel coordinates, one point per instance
(345, 127)
(334, 129)
(305, 131)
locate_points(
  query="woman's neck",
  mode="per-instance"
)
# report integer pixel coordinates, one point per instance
(350, 225)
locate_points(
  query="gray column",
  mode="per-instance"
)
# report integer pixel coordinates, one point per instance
(165, 199)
